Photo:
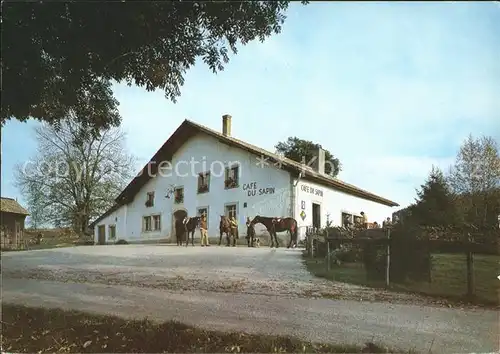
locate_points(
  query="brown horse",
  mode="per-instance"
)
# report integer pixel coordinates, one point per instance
(250, 234)
(225, 227)
(274, 225)
(180, 232)
(191, 224)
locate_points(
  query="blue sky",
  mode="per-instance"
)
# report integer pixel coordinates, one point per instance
(390, 89)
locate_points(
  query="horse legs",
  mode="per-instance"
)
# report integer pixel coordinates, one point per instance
(228, 238)
(220, 238)
(234, 240)
(187, 238)
(276, 239)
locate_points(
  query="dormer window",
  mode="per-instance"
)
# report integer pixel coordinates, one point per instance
(150, 199)
(232, 174)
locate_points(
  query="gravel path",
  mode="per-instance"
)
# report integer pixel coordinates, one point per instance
(254, 290)
(215, 269)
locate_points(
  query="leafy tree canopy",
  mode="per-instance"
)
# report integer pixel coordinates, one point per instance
(477, 166)
(469, 194)
(61, 57)
(475, 178)
(301, 150)
(435, 205)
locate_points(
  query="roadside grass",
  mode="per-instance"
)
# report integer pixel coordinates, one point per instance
(38, 330)
(448, 277)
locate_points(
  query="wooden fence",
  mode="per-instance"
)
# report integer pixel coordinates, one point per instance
(321, 243)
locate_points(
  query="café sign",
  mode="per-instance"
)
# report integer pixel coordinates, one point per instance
(252, 190)
(311, 190)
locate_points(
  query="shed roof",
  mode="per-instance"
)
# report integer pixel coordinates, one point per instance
(188, 129)
(9, 205)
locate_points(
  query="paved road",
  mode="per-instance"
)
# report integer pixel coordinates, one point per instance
(264, 287)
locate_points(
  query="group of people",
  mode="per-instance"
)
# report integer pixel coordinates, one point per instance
(386, 223)
(234, 226)
(204, 229)
(363, 222)
(358, 222)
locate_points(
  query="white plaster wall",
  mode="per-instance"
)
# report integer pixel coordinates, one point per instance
(333, 202)
(209, 154)
(116, 218)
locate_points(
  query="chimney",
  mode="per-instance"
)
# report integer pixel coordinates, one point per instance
(319, 163)
(226, 125)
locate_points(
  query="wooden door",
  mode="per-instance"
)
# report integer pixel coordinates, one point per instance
(101, 235)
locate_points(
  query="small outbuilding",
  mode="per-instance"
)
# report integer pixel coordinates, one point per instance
(12, 218)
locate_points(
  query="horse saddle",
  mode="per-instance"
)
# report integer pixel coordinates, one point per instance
(277, 220)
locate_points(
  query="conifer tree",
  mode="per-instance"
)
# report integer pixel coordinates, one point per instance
(435, 204)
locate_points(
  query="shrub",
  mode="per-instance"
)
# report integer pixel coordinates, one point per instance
(349, 254)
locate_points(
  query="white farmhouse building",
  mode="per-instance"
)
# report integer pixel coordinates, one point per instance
(199, 169)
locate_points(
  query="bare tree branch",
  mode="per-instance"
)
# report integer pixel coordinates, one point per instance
(74, 176)
(475, 179)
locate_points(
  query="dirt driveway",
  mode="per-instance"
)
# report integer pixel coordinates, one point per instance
(254, 290)
(240, 269)
(218, 269)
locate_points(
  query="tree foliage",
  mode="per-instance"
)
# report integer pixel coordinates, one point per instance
(435, 205)
(301, 150)
(475, 178)
(477, 166)
(74, 177)
(61, 57)
(34, 201)
(467, 197)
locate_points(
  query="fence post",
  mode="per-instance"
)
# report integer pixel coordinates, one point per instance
(327, 255)
(311, 245)
(388, 263)
(470, 268)
(470, 275)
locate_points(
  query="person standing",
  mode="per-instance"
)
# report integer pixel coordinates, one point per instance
(364, 220)
(234, 227)
(203, 230)
(249, 236)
